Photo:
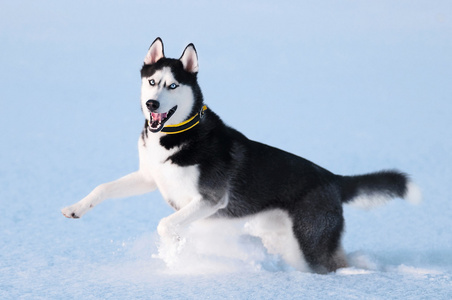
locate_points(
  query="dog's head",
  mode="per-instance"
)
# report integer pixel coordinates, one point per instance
(170, 93)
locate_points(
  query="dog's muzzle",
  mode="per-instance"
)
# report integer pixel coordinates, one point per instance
(157, 120)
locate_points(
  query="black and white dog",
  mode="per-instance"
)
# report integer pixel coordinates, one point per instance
(204, 168)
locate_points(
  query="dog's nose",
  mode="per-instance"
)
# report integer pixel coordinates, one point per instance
(152, 105)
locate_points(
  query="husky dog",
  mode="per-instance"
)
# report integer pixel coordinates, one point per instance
(206, 169)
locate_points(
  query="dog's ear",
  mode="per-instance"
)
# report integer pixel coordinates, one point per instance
(190, 59)
(155, 52)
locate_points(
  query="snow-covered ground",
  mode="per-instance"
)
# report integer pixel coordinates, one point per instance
(355, 86)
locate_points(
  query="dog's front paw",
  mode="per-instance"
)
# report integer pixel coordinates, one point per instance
(167, 230)
(74, 211)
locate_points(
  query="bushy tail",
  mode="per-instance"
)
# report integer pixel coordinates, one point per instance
(370, 190)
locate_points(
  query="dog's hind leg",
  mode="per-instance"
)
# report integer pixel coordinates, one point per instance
(319, 237)
(133, 184)
(274, 227)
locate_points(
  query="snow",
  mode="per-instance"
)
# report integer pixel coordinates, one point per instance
(352, 86)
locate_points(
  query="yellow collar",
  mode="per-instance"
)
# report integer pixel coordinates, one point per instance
(186, 125)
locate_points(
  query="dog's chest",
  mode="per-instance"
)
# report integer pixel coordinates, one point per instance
(177, 184)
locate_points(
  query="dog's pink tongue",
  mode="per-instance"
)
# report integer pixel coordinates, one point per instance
(158, 117)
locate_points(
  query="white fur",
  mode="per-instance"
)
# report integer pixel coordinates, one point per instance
(182, 96)
(178, 185)
(129, 185)
(367, 201)
(413, 193)
(274, 227)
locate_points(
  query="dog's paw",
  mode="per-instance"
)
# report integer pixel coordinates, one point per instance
(168, 231)
(74, 211)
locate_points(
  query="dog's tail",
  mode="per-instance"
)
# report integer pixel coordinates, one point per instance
(370, 190)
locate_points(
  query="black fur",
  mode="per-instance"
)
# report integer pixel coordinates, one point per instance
(392, 183)
(257, 177)
(145, 132)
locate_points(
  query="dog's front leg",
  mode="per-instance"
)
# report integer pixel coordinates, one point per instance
(197, 209)
(130, 185)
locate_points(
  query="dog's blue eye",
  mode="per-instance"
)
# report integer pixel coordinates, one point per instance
(152, 82)
(173, 86)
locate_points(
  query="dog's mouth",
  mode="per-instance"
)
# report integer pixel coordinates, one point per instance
(157, 120)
